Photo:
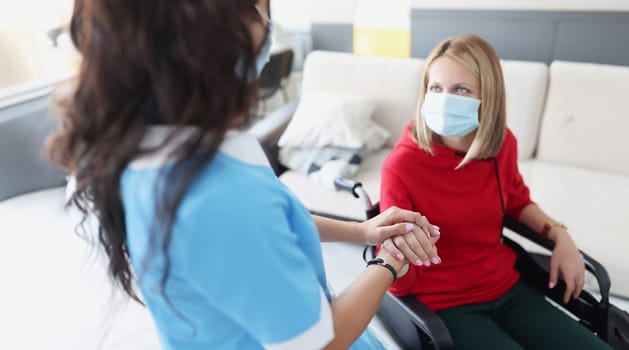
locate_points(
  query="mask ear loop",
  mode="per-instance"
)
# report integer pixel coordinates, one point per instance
(264, 16)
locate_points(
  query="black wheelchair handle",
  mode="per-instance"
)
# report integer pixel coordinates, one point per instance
(343, 184)
(593, 266)
(356, 189)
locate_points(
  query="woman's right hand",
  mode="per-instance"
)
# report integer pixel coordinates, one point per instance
(418, 245)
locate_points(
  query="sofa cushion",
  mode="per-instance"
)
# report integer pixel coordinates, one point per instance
(393, 84)
(525, 85)
(593, 205)
(586, 118)
(55, 289)
(324, 119)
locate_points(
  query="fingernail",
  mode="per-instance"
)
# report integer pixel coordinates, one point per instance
(426, 263)
(400, 257)
(436, 227)
(419, 263)
(435, 260)
(409, 227)
(551, 285)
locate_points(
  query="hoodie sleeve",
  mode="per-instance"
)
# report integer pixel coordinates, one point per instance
(517, 192)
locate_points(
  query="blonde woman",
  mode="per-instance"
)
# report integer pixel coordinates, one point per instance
(457, 165)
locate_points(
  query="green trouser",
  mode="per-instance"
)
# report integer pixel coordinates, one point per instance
(520, 319)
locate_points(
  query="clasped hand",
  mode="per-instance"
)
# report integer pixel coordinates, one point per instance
(404, 234)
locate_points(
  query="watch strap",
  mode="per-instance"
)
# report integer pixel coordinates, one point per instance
(381, 262)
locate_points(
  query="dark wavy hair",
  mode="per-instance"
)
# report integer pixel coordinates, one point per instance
(150, 62)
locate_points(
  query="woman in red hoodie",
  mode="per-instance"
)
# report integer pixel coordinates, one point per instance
(457, 165)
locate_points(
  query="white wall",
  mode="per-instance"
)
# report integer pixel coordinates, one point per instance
(17, 52)
(560, 5)
(342, 11)
(332, 11)
(291, 14)
(380, 14)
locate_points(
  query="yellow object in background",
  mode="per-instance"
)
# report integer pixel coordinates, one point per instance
(382, 42)
(382, 28)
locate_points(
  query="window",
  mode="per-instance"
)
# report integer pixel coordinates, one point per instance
(34, 45)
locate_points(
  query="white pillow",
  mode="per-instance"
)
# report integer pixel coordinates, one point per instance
(338, 120)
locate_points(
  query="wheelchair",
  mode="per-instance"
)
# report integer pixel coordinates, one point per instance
(414, 326)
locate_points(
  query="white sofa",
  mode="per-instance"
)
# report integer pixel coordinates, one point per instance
(571, 121)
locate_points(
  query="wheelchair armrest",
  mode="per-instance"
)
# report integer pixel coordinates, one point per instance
(427, 321)
(269, 130)
(591, 264)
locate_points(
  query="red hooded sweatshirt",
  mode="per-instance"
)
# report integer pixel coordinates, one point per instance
(465, 203)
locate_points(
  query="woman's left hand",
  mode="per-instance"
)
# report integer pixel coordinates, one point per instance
(417, 235)
(567, 260)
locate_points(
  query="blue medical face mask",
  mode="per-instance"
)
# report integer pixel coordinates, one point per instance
(264, 56)
(265, 51)
(450, 115)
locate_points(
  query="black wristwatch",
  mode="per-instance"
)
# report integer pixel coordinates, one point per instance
(381, 262)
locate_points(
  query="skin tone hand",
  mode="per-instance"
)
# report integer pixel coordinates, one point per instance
(392, 222)
(414, 235)
(566, 257)
(567, 260)
(416, 243)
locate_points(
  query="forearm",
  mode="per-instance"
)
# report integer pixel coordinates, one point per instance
(533, 217)
(355, 307)
(331, 230)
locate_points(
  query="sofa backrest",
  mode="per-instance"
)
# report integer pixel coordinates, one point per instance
(525, 85)
(392, 83)
(586, 118)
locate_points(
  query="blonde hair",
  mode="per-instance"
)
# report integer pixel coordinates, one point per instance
(479, 58)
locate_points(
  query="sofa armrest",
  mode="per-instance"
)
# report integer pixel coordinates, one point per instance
(269, 129)
(25, 123)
